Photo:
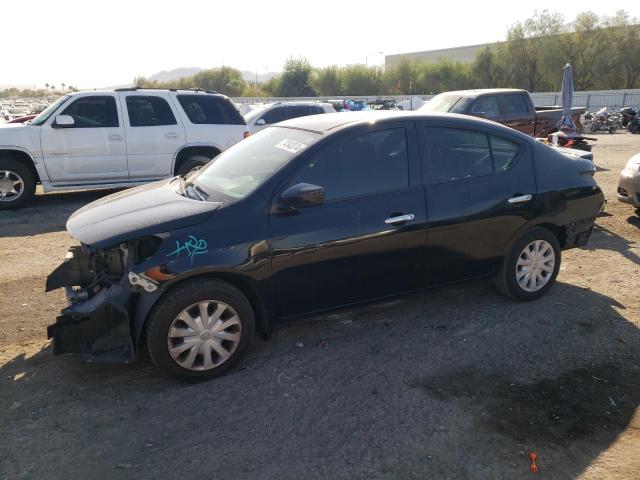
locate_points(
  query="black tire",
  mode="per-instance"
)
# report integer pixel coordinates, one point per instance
(191, 163)
(634, 127)
(174, 303)
(505, 279)
(25, 174)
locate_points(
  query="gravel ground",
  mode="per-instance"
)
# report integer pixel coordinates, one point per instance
(453, 383)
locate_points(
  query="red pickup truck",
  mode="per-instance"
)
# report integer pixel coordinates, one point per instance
(509, 106)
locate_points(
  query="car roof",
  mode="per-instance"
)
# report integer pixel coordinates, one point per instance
(331, 122)
(482, 91)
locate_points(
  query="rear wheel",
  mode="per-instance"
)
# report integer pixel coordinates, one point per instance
(200, 330)
(17, 184)
(634, 127)
(531, 266)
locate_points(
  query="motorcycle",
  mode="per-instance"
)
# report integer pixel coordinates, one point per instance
(628, 114)
(634, 125)
(601, 121)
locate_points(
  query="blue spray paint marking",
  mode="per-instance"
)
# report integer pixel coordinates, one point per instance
(191, 248)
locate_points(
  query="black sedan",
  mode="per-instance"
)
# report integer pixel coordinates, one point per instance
(313, 214)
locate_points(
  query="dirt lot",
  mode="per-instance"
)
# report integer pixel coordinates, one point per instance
(454, 383)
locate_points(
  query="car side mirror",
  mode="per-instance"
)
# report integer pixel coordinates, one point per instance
(302, 195)
(261, 122)
(64, 121)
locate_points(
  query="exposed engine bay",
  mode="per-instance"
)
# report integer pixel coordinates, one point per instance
(99, 286)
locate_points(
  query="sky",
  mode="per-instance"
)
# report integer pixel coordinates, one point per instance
(92, 44)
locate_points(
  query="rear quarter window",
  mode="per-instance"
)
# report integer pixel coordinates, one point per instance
(210, 110)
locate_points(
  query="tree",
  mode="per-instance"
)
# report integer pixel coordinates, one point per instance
(527, 44)
(328, 81)
(625, 35)
(63, 85)
(46, 85)
(296, 79)
(487, 69)
(225, 80)
(361, 80)
(585, 47)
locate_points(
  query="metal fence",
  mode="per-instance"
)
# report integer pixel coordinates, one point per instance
(592, 100)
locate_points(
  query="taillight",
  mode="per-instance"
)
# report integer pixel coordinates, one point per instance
(246, 134)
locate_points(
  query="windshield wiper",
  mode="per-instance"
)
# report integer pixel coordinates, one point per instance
(194, 192)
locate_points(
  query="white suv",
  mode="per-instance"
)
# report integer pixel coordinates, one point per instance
(108, 139)
(272, 113)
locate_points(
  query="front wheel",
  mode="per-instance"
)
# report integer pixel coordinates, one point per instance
(530, 267)
(17, 185)
(200, 330)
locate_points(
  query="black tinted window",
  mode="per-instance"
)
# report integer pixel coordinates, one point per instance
(299, 111)
(487, 105)
(147, 111)
(513, 105)
(370, 163)
(504, 153)
(457, 154)
(93, 112)
(276, 114)
(210, 109)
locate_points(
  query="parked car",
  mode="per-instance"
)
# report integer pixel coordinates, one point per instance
(109, 139)
(24, 119)
(313, 214)
(271, 113)
(14, 113)
(629, 183)
(511, 107)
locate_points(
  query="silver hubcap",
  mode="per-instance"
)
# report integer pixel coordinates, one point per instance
(204, 335)
(535, 266)
(11, 186)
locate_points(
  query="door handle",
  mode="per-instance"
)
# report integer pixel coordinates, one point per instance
(171, 135)
(400, 219)
(520, 199)
(114, 138)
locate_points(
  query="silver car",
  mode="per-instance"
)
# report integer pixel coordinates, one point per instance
(629, 183)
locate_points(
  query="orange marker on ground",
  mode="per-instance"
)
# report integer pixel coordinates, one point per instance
(534, 467)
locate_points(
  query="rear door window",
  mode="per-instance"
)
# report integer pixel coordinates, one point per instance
(148, 111)
(504, 153)
(93, 112)
(210, 110)
(487, 105)
(457, 154)
(513, 104)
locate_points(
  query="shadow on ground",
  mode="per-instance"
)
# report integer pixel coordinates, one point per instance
(45, 213)
(457, 383)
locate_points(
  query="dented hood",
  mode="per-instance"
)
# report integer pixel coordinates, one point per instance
(153, 208)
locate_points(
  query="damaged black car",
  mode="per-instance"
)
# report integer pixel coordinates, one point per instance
(313, 214)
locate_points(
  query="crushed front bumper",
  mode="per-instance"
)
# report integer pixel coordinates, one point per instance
(96, 329)
(629, 187)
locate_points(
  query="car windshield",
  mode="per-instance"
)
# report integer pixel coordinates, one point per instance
(248, 164)
(47, 112)
(445, 102)
(254, 114)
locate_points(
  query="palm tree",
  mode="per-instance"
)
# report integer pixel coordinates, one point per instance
(46, 85)
(62, 87)
(53, 88)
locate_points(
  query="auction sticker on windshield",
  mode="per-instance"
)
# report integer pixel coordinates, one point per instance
(290, 145)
